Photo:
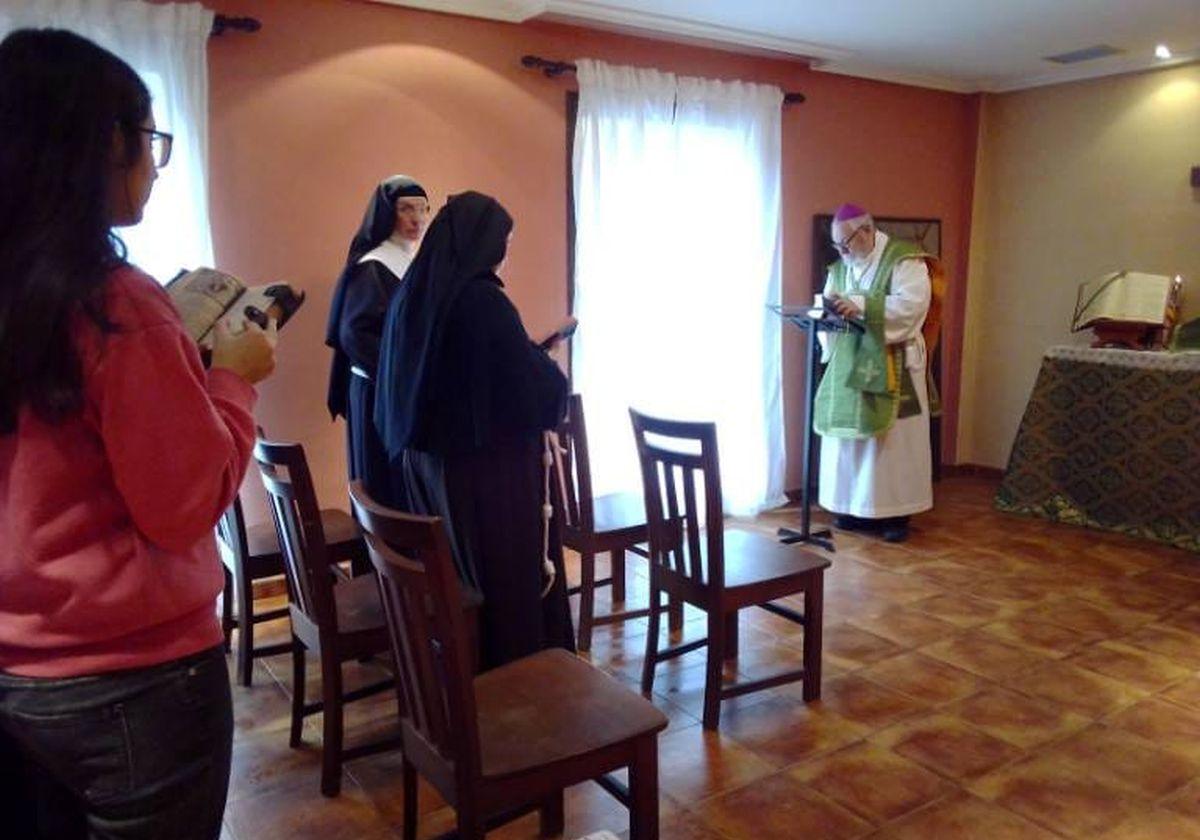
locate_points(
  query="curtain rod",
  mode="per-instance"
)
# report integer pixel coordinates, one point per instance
(553, 69)
(223, 23)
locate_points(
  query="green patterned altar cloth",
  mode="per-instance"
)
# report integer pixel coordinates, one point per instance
(1111, 439)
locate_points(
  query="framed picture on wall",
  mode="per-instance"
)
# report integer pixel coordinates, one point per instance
(926, 233)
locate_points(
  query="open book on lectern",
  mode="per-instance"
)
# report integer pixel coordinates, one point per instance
(823, 316)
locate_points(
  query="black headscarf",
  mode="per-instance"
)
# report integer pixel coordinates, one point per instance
(379, 221)
(464, 243)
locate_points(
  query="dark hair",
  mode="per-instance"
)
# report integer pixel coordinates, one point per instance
(61, 98)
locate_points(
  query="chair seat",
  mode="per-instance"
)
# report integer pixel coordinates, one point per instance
(339, 527)
(752, 558)
(359, 608)
(553, 706)
(619, 512)
(618, 519)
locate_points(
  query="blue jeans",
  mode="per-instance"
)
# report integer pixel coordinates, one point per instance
(129, 754)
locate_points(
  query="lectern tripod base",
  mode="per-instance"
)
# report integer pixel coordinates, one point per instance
(811, 324)
(822, 537)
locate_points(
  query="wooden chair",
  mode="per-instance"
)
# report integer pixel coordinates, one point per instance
(251, 554)
(501, 744)
(338, 618)
(722, 570)
(615, 523)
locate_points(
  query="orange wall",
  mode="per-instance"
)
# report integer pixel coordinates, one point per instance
(331, 95)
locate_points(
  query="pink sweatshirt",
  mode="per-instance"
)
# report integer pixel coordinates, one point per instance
(107, 555)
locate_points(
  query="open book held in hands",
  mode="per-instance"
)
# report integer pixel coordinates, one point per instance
(205, 296)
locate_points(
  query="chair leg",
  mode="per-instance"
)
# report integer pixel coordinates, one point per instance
(587, 599)
(714, 670)
(617, 565)
(298, 680)
(331, 729)
(245, 619)
(651, 640)
(471, 825)
(814, 608)
(551, 819)
(731, 635)
(674, 615)
(227, 610)
(360, 561)
(643, 790)
(410, 800)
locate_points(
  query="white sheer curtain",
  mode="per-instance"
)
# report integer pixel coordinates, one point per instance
(677, 254)
(165, 44)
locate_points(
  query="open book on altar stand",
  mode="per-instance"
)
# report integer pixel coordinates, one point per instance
(205, 296)
(1128, 309)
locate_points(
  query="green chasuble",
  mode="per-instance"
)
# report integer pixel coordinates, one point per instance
(866, 385)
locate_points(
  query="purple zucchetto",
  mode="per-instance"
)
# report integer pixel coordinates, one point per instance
(848, 212)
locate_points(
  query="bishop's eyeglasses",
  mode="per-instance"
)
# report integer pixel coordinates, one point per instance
(844, 245)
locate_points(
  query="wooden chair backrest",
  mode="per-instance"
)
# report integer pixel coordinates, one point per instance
(231, 535)
(423, 604)
(297, 518)
(577, 474)
(685, 522)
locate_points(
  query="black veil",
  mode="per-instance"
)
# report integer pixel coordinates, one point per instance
(464, 243)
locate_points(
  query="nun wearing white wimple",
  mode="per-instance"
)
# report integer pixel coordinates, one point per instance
(380, 254)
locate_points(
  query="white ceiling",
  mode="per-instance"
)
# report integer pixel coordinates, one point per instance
(960, 45)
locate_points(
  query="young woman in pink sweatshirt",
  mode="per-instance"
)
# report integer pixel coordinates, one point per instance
(118, 453)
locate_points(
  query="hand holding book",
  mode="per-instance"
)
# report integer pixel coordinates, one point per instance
(843, 307)
(205, 297)
(249, 353)
(562, 332)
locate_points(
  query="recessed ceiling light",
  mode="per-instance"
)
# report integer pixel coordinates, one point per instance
(1162, 51)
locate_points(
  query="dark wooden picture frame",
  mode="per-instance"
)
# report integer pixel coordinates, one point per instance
(926, 233)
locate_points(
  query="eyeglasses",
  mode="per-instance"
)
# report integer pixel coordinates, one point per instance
(412, 209)
(844, 246)
(160, 146)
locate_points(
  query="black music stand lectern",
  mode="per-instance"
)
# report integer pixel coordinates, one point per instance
(811, 320)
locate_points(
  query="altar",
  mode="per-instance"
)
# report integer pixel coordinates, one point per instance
(1110, 439)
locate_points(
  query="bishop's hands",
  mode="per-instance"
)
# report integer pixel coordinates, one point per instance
(844, 307)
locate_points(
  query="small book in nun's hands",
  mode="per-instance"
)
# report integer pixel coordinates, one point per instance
(205, 296)
(560, 333)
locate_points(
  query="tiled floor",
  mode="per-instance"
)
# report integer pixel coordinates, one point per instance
(993, 678)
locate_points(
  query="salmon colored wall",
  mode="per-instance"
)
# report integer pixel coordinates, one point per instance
(307, 114)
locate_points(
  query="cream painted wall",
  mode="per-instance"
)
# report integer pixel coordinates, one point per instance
(1072, 181)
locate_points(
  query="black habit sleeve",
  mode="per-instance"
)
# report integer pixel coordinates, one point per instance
(496, 383)
(531, 393)
(369, 288)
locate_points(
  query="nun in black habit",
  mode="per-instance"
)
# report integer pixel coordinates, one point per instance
(464, 398)
(379, 255)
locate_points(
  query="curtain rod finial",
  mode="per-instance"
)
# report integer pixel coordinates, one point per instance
(550, 68)
(221, 23)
